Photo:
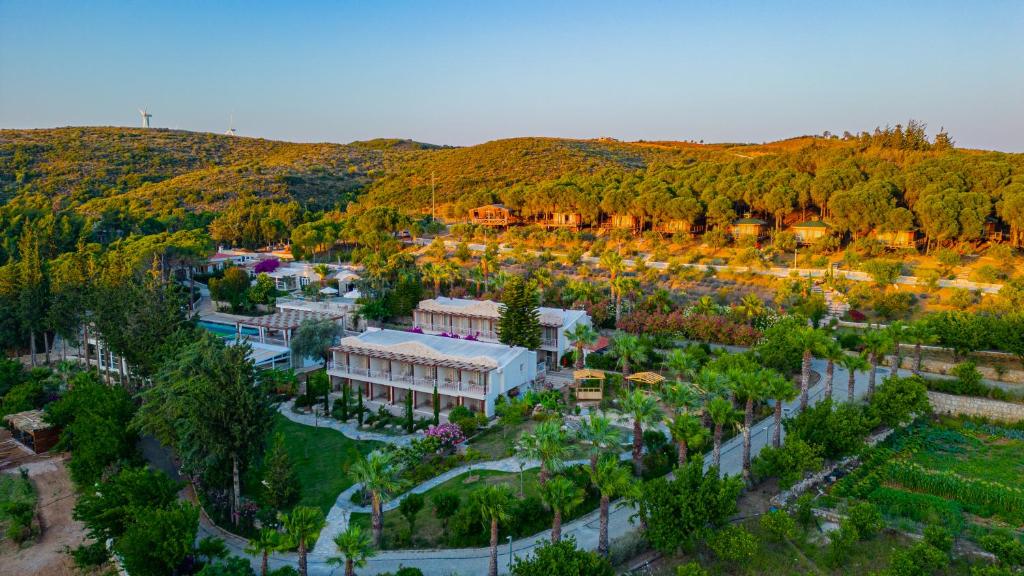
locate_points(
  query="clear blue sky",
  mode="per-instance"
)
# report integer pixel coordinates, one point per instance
(467, 72)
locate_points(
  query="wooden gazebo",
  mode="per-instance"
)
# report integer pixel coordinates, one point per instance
(589, 384)
(648, 379)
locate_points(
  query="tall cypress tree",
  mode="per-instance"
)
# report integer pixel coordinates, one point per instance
(409, 424)
(359, 405)
(437, 406)
(519, 324)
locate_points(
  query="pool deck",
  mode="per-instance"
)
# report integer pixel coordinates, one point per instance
(223, 318)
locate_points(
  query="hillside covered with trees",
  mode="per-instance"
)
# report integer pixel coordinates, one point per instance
(102, 184)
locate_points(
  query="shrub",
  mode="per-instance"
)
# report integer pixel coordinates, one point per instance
(788, 462)
(865, 517)
(561, 559)
(938, 537)
(841, 542)
(921, 559)
(690, 569)
(898, 400)
(448, 435)
(805, 510)
(839, 430)
(1007, 549)
(778, 524)
(90, 555)
(733, 543)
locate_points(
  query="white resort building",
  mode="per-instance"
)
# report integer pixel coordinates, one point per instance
(390, 364)
(479, 319)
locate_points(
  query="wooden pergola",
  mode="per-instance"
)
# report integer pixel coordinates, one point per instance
(589, 384)
(650, 379)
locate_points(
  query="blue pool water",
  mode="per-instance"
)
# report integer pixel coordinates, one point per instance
(224, 330)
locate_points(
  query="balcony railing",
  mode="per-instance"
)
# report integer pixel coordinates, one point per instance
(408, 378)
(481, 334)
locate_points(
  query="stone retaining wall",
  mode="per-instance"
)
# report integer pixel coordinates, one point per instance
(973, 406)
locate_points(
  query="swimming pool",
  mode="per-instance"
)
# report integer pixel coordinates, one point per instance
(225, 330)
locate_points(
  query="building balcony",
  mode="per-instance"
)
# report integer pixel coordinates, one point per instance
(405, 380)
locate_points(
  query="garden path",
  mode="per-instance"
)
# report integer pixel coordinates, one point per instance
(470, 561)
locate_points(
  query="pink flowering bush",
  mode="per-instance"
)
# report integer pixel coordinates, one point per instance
(450, 435)
(268, 265)
(693, 326)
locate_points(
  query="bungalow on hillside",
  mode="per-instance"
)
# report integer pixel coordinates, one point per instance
(680, 227)
(390, 365)
(810, 231)
(748, 226)
(478, 319)
(895, 238)
(622, 222)
(572, 220)
(493, 215)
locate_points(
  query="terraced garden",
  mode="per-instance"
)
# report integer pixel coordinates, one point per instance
(954, 472)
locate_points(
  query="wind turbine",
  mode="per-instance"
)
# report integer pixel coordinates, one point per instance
(145, 117)
(231, 126)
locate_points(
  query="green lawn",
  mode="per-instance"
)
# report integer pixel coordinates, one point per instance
(429, 531)
(499, 441)
(321, 458)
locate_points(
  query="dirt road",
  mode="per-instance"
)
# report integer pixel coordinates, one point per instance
(56, 501)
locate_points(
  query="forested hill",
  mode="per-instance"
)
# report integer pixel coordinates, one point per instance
(110, 182)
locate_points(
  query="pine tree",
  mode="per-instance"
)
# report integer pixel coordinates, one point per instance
(280, 481)
(519, 324)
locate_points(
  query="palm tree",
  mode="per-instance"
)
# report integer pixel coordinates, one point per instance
(597, 431)
(877, 344)
(611, 480)
(919, 333)
(751, 306)
(376, 476)
(644, 410)
(322, 270)
(749, 388)
(547, 444)
(629, 350)
(301, 525)
(810, 340)
(722, 413)
(494, 502)
(268, 541)
(437, 274)
(682, 364)
(625, 287)
(781, 390)
(853, 363)
(612, 261)
(897, 332)
(562, 496)
(580, 336)
(355, 548)
(487, 263)
(688, 432)
(830, 351)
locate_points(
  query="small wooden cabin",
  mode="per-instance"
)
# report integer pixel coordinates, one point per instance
(680, 227)
(492, 215)
(622, 222)
(749, 227)
(993, 233)
(810, 231)
(895, 238)
(572, 220)
(31, 429)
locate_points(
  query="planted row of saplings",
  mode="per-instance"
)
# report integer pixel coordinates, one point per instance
(978, 496)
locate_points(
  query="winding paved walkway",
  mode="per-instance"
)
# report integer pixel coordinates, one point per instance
(472, 561)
